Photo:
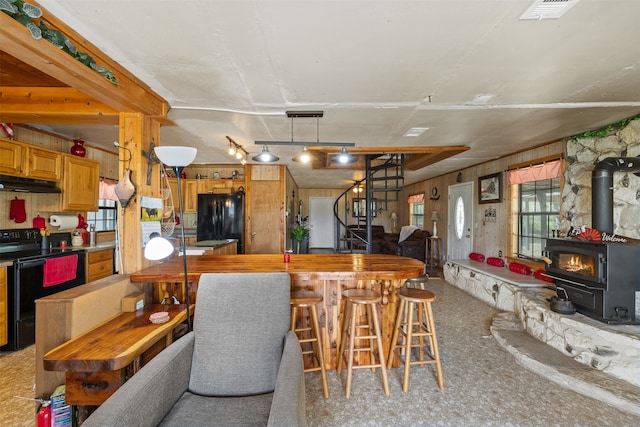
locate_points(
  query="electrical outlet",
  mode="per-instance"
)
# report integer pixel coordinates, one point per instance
(500, 254)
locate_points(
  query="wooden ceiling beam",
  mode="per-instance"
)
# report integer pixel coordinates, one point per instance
(130, 95)
(416, 157)
(391, 150)
(53, 105)
(419, 161)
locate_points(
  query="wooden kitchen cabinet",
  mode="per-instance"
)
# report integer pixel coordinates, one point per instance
(80, 184)
(43, 164)
(99, 264)
(17, 159)
(205, 185)
(190, 195)
(218, 186)
(192, 187)
(11, 155)
(4, 338)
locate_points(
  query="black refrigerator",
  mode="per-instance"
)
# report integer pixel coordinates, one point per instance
(221, 216)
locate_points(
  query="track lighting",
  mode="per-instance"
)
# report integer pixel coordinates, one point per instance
(236, 150)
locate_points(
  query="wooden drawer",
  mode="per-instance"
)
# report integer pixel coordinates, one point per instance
(99, 264)
(92, 388)
(99, 270)
(4, 338)
(99, 256)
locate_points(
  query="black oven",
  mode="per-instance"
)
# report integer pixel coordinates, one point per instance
(26, 283)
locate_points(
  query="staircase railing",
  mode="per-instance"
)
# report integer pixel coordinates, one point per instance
(387, 178)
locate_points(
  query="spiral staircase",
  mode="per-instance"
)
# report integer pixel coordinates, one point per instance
(384, 179)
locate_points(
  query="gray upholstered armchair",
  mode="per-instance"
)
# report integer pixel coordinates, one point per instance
(240, 365)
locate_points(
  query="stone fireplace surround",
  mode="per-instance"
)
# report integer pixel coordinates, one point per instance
(582, 154)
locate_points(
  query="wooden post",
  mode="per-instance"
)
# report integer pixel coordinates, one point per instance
(137, 133)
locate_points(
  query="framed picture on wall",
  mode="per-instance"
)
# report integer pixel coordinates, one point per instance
(490, 188)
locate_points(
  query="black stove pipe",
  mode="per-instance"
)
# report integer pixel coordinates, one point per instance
(602, 189)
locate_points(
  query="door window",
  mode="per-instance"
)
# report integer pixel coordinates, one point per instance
(459, 217)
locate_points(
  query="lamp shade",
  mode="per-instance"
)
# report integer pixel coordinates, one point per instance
(176, 155)
(158, 248)
(435, 216)
(344, 157)
(394, 215)
(265, 156)
(303, 157)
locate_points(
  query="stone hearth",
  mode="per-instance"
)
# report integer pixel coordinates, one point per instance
(612, 349)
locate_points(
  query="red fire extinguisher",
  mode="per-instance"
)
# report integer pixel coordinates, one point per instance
(44, 414)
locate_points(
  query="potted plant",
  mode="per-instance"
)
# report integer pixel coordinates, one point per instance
(300, 234)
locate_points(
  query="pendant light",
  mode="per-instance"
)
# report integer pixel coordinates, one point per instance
(265, 156)
(344, 157)
(303, 157)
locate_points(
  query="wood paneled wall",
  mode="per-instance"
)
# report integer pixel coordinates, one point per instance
(383, 218)
(488, 237)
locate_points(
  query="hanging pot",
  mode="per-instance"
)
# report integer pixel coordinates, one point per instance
(125, 190)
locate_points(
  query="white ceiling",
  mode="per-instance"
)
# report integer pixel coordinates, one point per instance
(469, 70)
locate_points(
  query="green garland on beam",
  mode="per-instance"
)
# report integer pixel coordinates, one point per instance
(605, 130)
(25, 13)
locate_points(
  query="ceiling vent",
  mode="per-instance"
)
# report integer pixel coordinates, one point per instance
(548, 9)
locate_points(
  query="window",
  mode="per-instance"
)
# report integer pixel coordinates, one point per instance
(416, 210)
(535, 206)
(106, 216)
(538, 215)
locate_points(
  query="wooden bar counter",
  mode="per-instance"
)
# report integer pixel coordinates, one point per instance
(100, 360)
(327, 274)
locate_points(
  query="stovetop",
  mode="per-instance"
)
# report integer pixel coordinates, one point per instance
(27, 243)
(37, 253)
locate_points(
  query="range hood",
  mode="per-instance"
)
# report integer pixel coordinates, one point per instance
(26, 185)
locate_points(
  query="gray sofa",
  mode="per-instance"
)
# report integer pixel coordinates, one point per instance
(240, 366)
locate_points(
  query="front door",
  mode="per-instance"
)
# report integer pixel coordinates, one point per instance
(459, 234)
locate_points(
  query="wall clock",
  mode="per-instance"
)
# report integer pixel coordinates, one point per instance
(434, 193)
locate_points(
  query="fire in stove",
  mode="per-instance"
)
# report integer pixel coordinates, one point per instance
(577, 264)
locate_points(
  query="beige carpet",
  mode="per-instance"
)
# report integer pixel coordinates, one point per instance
(484, 385)
(17, 378)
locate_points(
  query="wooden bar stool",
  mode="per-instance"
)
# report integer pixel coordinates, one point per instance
(309, 299)
(369, 299)
(409, 298)
(417, 282)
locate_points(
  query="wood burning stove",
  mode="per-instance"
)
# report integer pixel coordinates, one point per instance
(601, 279)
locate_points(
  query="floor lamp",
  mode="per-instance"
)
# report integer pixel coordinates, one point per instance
(176, 158)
